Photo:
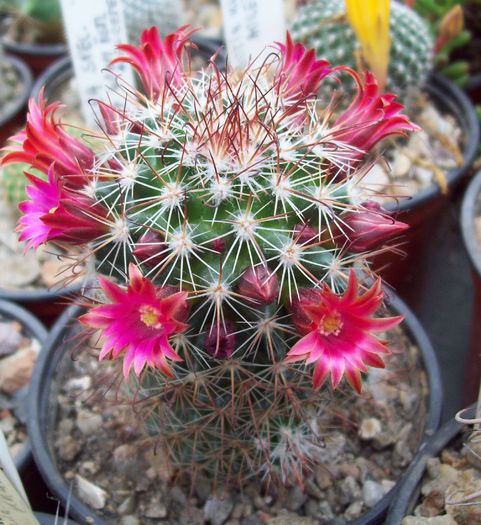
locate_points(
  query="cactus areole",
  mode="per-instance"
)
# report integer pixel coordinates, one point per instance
(235, 288)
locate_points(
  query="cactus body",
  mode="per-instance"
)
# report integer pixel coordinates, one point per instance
(219, 214)
(323, 26)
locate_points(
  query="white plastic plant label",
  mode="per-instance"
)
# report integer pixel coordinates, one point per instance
(250, 27)
(93, 29)
(14, 506)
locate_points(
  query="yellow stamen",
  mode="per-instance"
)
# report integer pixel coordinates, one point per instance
(330, 324)
(150, 316)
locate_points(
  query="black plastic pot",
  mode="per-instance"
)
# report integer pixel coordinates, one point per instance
(48, 519)
(471, 207)
(40, 422)
(473, 89)
(37, 56)
(13, 118)
(409, 491)
(33, 328)
(45, 303)
(423, 210)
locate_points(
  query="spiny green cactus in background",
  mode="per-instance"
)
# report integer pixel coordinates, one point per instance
(323, 25)
(166, 15)
(38, 21)
(220, 216)
(13, 183)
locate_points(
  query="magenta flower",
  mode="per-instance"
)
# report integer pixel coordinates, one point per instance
(367, 229)
(338, 332)
(159, 64)
(44, 140)
(371, 117)
(55, 213)
(259, 284)
(139, 322)
(300, 74)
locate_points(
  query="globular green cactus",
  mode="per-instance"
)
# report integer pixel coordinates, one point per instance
(219, 214)
(164, 14)
(13, 183)
(323, 25)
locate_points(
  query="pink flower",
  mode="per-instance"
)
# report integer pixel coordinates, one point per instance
(44, 140)
(300, 74)
(139, 321)
(56, 213)
(158, 63)
(371, 117)
(338, 332)
(259, 284)
(367, 229)
(220, 341)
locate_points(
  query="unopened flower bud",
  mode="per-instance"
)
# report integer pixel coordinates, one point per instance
(451, 25)
(149, 248)
(220, 340)
(304, 234)
(218, 245)
(259, 284)
(370, 227)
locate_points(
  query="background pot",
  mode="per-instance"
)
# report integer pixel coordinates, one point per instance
(40, 422)
(13, 118)
(46, 304)
(410, 488)
(470, 208)
(62, 70)
(473, 88)
(33, 328)
(423, 210)
(37, 56)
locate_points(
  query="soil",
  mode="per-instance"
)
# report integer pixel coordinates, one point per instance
(18, 354)
(450, 481)
(47, 267)
(99, 447)
(10, 86)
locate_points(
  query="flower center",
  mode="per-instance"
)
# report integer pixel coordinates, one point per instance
(330, 324)
(150, 316)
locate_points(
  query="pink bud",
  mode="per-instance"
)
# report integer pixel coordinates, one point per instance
(149, 248)
(218, 245)
(304, 234)
(220, 340)
(369, 228)
(259, 284)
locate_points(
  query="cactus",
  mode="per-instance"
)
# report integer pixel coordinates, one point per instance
(13, 183)
(166, 15)
(323, 25)
(234, 264)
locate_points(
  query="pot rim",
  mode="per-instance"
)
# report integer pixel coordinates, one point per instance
(408, 490)
(56, 49)
(468, 212)
(441, 89)
(50, 519)
(35, 328)
(50, 356)
(21, 99)
(40, 295)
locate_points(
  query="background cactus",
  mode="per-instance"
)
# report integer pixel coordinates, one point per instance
(323, 25)
(13, 182)
(219, 213)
